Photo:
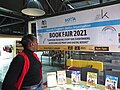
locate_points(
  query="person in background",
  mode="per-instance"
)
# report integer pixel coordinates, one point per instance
(33, 78)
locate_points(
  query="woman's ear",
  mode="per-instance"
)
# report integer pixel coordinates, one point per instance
(30, 44)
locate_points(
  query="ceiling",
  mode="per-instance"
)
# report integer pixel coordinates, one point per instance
(12, 21)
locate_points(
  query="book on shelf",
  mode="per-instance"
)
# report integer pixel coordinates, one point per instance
(111, 82)
(75, 77)
(51, 79)
(92, 79)
(61, 77)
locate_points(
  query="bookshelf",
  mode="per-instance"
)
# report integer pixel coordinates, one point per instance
(18, 47)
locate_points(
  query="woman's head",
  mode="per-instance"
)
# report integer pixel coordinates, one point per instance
(29, 41)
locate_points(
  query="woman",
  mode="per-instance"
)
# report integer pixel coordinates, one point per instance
(33, 78)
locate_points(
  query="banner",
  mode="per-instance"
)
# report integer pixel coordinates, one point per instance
(98, 27)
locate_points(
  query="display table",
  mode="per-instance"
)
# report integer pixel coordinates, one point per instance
(100, 87)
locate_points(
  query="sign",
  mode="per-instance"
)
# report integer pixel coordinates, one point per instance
(98, 27)
(67, 47)
(101, 48)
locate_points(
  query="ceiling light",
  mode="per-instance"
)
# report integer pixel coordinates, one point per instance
(70, 6)
(33, 8)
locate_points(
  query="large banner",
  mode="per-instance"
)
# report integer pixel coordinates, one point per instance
(95, 29)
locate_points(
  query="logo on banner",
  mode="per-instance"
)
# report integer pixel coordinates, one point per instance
(44, 24)
(106, 28)
(108, 35)
(102, 15)
(70, 19)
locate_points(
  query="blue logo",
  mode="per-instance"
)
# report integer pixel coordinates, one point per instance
(71, 19)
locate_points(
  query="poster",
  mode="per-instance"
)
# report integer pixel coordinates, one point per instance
(6, 48)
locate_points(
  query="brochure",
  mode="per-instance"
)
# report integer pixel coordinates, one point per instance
(55, 88)
(61, 77)
(75, 77)
(92, 88)
(91, 79)
(111, 82)
(74, 87)
(51, 79)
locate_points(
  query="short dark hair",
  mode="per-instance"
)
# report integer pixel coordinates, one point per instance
(26, 39)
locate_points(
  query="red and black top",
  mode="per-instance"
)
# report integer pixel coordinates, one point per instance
(33, 76)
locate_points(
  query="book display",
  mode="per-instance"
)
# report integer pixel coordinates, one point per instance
(92, 79)
(111, 82)
(61, 77)
(59, 81)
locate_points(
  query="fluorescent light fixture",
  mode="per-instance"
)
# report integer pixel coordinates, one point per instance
(71, 6)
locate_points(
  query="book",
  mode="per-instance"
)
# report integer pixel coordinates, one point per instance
(92, 79)
(111, 82)
(75, 77)
(51, 79)
(61, 77)
(74, 87)
(92, 88)
(82, 87)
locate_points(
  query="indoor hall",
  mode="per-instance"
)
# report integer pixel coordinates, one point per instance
(86, 32)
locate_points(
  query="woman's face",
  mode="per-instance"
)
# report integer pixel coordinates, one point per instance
(35, 44)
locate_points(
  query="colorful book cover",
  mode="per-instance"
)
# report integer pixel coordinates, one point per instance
(111, 82)
(92, 79)
(75, 77)
(51, 79)
(61, 77)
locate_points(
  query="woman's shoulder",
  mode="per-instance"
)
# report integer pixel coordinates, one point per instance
(18, 58)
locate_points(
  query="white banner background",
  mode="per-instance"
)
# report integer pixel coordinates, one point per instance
(98, 27)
